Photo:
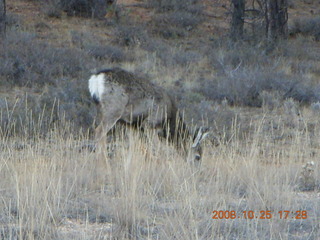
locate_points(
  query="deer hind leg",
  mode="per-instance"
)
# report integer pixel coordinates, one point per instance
(111, 113)
(101, 132)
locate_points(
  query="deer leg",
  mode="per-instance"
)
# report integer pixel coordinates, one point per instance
(150, 123)
(113, 105)
(102, 130)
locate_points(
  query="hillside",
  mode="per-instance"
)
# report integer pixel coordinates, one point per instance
(48, 52)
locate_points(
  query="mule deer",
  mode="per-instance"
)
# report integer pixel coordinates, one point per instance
(127, 98)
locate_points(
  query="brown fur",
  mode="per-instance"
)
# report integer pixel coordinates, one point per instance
(134, 100)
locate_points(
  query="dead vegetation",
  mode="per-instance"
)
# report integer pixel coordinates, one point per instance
(143, 189)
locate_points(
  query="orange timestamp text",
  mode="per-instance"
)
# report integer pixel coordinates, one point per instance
(265, 214)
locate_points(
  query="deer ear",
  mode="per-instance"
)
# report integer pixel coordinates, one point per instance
(201, 134)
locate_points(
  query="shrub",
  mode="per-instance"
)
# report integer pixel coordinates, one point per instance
(155, 45)
(13, 21)
(109, 52)
(175, 24)
(291, 109)
(73, 104)
(247, 84)
(52, 8)
(85, 8)
(84, 39)
(82, 8)
(315, 107)
(302, 91)
(243, 72)
(177, 17)
(54, 82)
(270, 100)
(172, 5)
(46, 108)
(173, 57)
(307, 27)
(307, 179)
(130, 35)
(28, 62)
(302, 49)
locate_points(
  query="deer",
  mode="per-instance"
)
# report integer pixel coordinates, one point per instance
(124, 97)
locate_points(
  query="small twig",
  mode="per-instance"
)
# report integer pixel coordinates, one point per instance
(234, 70)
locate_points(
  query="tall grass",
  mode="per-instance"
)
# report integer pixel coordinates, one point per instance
(141, 188)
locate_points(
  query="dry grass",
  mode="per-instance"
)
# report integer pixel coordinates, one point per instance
(142, 188)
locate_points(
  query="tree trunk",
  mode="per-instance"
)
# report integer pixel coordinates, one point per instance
(2, 17)
(276, 19)
(237, 21)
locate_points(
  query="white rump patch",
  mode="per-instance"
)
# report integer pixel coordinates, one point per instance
(96, 85)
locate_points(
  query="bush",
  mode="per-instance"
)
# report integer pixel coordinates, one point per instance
(173, 5)
(246, 85)
(177, 17)
(130, 35)
(243, 73)
(45, 108)
(52, 8)
(301, 49)
(73, 103)
(306, 27)
(54, 82)
(84, 39)
(173, 57)
(82, 8)
(32, 115)
(85, 8)
(25, 61)
(109, 52)
(175, 24)
(13, 21)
